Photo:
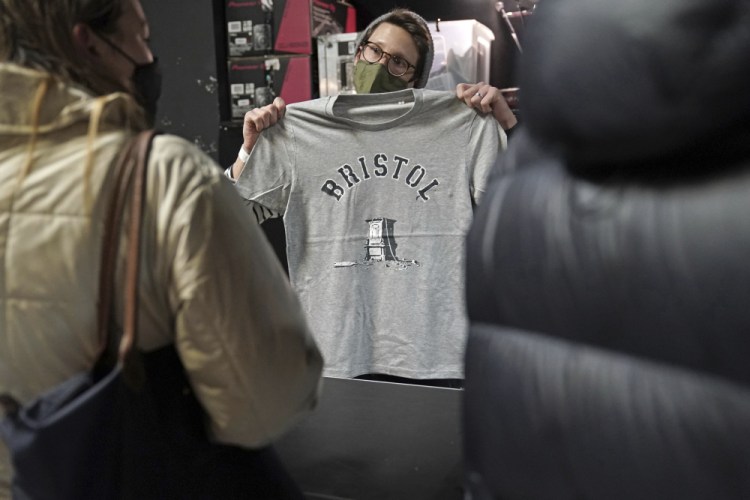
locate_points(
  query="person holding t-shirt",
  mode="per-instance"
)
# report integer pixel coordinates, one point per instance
(375, 225)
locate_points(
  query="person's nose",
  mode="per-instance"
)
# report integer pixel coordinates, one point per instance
(149, 55)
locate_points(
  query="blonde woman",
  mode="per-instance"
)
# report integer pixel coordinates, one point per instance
(77, 80)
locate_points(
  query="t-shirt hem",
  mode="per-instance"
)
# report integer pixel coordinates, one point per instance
(443, 373)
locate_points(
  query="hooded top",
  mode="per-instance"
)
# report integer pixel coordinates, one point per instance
(427, 62)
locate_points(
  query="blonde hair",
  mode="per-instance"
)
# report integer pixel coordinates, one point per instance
(38, 34)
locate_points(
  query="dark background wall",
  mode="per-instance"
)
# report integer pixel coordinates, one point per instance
(183, 37)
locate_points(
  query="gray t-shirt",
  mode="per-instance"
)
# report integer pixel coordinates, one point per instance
(376, 192)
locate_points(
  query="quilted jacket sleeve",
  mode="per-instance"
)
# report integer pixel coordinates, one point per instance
(237, 324)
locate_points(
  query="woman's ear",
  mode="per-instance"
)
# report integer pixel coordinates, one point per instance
(84, 40)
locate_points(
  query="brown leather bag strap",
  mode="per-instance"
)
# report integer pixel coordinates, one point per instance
(130, 170)
(130, 323)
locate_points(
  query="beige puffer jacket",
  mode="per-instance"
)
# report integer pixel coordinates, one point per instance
(209, 280)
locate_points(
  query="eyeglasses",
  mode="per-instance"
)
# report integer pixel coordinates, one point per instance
(397, 66)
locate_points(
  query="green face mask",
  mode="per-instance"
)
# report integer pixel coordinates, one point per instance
(373, 78)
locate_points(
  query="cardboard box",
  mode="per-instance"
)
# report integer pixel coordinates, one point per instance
(330, 17)
(255, 82)
(259, 27)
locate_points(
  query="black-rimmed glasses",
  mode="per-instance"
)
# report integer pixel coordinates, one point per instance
(397, 66)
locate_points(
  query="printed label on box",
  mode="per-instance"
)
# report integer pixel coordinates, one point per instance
(259, 27)
(249, 27)
(256, 82)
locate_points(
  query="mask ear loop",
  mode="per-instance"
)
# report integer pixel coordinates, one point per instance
(416, 76)
(138, 92)
(118, 49)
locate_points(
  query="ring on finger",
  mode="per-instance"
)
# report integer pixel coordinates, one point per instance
(479, 94)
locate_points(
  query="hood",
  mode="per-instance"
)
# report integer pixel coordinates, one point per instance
(63, 103)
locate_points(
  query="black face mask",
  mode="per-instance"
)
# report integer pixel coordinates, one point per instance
(146, 81)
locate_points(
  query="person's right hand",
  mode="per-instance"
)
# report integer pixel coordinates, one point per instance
(255, 121)
(259, 119)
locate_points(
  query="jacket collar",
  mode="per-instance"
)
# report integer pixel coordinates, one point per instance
(64, 103)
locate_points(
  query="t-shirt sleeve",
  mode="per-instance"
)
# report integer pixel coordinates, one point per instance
(486, 140)
(269, 172)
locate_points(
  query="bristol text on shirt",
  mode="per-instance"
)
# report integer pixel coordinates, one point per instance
(380, 169)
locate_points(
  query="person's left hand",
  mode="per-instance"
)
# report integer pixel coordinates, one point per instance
(487, 99)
